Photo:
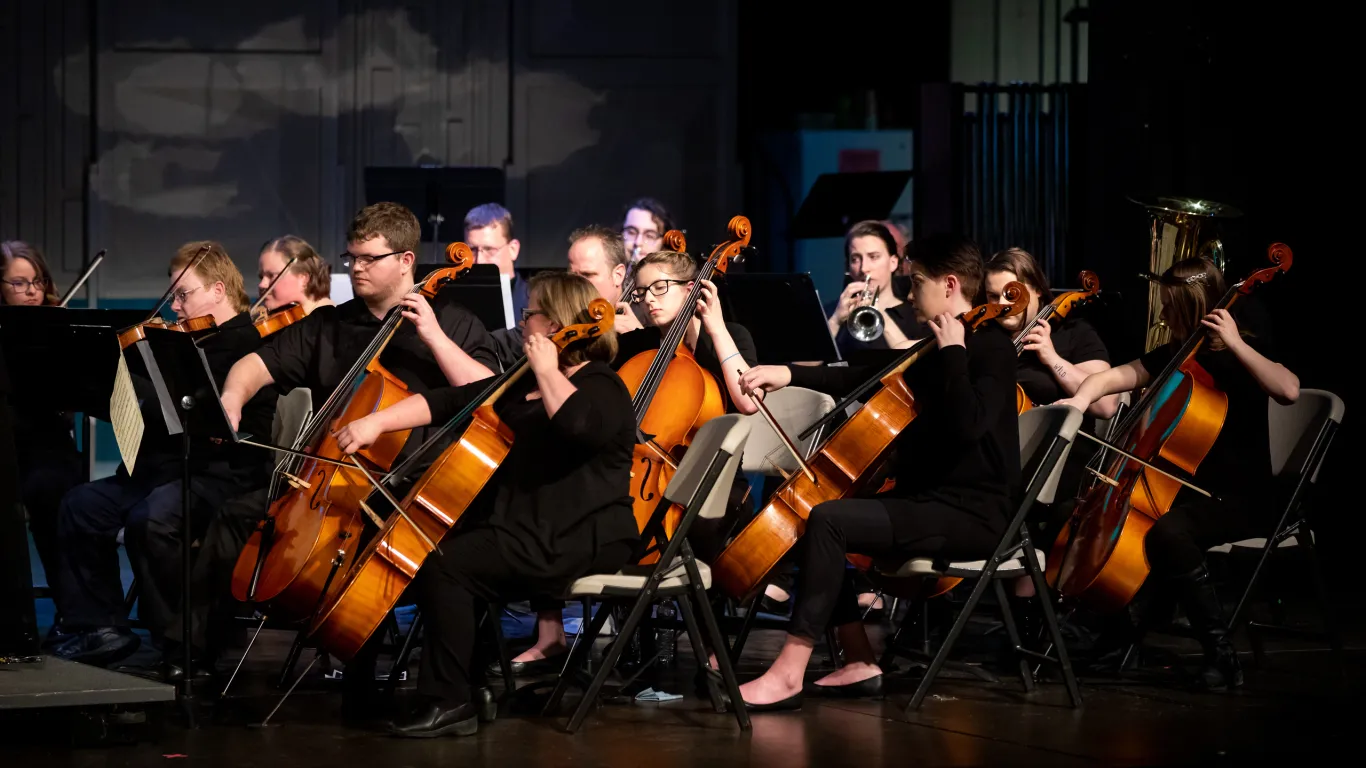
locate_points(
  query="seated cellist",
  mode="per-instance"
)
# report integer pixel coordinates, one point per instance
(558, 508)
(957, 470)
(1237, 469)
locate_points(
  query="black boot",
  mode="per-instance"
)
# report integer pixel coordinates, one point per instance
(1221, 669)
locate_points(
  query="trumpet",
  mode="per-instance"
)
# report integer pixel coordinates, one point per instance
(865, 322)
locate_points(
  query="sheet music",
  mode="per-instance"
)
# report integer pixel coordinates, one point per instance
(126, 415)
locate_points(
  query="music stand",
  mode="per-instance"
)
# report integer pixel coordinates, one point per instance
(837, 201)
(436, 194)
(192, 408)
(783, 312)
(481, 290)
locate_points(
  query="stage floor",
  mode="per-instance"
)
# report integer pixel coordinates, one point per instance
(1296, 702)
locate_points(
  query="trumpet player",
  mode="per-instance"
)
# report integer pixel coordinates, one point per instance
(872, 260)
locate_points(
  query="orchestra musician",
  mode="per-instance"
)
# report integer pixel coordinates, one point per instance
(957, 470)
(309, 282)
(488, 232)
(643, 226)
(1237, 469)
(558, 509)
(146, 504)
(442, 344)
(871, 252)
(49, 464)
(598, 254)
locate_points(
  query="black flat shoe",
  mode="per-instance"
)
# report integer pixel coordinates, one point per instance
(434, 720)
(550, 665)
(783, 705)
(870, 687)
(488, 706)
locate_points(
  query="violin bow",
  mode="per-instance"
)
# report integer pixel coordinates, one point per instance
(76, 286)
(266, 293)
(167, 295)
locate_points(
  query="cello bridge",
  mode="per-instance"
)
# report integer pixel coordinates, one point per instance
(1103, 477)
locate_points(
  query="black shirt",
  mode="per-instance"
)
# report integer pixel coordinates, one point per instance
(1076, 341)
(563, 491)
(963, 448)
(508, 342)
(645, 339)
(320, 350)
(1239, 464)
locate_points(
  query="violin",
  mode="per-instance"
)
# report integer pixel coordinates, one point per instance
(292, 555)
(280, 318)
(1177, 421)
(198, 326)
(433, 506)
(846, 464)
(671, 394)
(1059, 307)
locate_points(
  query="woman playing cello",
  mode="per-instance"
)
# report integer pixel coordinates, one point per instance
(1237, 469)
(957, 468)
(559, 507)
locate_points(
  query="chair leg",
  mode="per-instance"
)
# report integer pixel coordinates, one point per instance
(947, 645)
(590, 696)
(583, 646)
(1305, 537)
(400, 665)
(751, 616)
(723, 659)
(1051, 621)
(699, 648)
(1013, 633)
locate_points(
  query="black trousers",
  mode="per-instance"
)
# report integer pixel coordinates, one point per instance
(1177, 542)
(44, 478)
(211, 603)
(89, 520)
(880, 527)
(455, 587)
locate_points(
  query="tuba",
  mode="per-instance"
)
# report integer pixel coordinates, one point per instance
(1175, 227)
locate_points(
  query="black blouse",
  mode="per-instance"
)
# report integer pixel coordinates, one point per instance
(1076, 341)
(963, 448)
(563, 491)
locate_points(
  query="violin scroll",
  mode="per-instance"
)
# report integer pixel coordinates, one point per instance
(1280, 256)
(1014, 293)
(675, 241)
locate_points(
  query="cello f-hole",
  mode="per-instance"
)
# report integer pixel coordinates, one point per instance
(318, 484)
(645, 494)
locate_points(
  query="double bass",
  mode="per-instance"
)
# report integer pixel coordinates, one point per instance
(1175, 423)
(392, 558)
(295, 551)
(1059, 307)
(845, 466)
(672, 395)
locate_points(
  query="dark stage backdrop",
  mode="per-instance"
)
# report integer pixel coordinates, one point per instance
(1215, 100)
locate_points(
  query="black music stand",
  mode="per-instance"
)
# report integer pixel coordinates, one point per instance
(838, 201)
(436, 195)
(783, 312)
(191, 406)
(480, 290)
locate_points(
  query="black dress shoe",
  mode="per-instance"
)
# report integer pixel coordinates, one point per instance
(782, 705)
(488, 705)
(174, 671)
(870, 687)
(99, 647)
(434, 720)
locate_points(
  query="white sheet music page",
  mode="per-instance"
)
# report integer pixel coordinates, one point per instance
(126, 415)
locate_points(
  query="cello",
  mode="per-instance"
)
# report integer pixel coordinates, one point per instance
(687, 395)
(1176, 422)
(846, 464)
(295, 551)
(1059, 307)
(390, 561)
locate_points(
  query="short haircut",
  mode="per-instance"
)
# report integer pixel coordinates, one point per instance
(487, 215)
(215, 267)
(947, 254)
(610, 238)
(395, 223)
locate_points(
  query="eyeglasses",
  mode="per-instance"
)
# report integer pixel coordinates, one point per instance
(23, 286)
(527, 312)
(488, 251)
(349, 258)
(179, 296)
(635, 234)
(658, 288)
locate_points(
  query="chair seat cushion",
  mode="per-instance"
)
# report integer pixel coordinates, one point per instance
(631, 580)
(1258, 544)
(963, 569)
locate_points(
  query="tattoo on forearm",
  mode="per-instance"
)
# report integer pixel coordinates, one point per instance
(1062, 374)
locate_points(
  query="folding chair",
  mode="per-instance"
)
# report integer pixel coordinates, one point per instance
(1300, 436)
(1046, 434)
(677, 575)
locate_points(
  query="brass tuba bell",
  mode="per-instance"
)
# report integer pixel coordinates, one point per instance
(1175, 233)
